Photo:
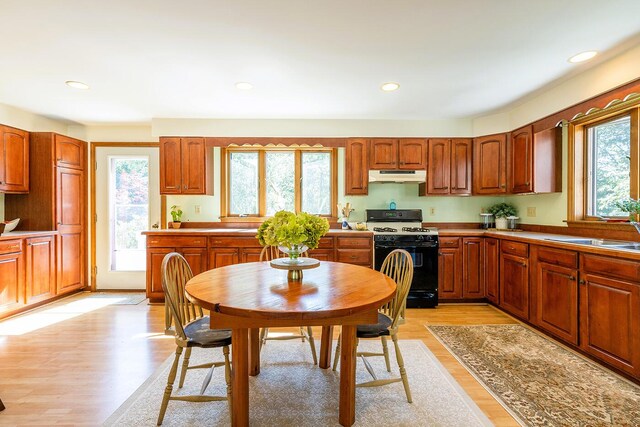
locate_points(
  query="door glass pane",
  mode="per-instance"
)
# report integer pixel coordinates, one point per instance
(316, 183)
(280, 182)
(609, 166)
(129, 216)
(243, 188)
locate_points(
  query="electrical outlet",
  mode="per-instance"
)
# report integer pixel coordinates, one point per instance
(197, 208)
(531, 211)
(432, 211)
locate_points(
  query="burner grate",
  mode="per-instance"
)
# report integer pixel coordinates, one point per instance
(384, 229)
(416, 229)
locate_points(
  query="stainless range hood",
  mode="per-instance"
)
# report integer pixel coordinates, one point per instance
(397, 176)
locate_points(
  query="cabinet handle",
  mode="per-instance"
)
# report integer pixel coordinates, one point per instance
(527, 183)
(38, 244)
(14, 247)
(1, 182)
(503, 186)
(524, 264)
(571, 278)
(353, 257)
(184, 186)
(440, 253)
(581, 281)
(446, 188)
(454, 188)
(217, 242)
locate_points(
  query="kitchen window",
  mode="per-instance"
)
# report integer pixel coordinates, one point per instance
(258, 182)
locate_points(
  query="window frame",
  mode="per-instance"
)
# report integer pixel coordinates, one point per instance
(578, 160)
(225, 215)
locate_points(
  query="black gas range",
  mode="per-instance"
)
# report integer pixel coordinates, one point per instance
(402, 229)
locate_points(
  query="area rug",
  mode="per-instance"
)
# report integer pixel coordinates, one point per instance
(539, 382)
(291, 391)
(120, 298)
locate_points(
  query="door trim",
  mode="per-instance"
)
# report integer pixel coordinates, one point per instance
(92, 196)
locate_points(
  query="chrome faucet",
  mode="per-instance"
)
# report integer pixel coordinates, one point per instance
(636, 225)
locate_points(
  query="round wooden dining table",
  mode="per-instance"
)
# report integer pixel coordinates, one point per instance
(247, 297)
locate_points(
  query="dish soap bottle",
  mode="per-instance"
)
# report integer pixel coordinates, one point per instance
(392, 205)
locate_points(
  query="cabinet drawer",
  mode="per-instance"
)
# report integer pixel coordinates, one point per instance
(558, 257)
(611, 267)
(326, 243)
(449, 242)
(354, 242)
(354, 256)
(515, 248)
(176, 241)
(10, 246)
(236, 242)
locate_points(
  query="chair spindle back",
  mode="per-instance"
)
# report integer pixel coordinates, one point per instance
(399, 266)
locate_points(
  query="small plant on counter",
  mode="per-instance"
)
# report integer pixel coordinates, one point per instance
(176, 215)
(290, 230)
(502, 210)
(632, 207)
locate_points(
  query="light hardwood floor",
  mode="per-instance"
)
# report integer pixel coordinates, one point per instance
(80, 369)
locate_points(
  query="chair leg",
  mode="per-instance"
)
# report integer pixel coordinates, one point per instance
(185, 366)
(302, 333)
(385, 351)
(263, 336)
(169, 388)
(227, 376)
(312, 344)
(403, 372)
(337, 356)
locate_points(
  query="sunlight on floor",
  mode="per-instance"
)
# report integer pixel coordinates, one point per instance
(152, 336)
(41, 319)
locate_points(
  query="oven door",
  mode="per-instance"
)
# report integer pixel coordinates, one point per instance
(424, 286)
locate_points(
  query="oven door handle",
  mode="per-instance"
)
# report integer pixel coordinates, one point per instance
(406, 248)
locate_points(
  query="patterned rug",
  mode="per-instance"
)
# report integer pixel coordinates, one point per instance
(291, 391)
(540, 382)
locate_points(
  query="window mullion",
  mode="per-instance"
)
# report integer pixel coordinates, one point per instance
(262, 181)
(635, 154)
(297, 188)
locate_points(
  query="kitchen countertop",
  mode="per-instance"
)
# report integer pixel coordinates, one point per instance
(25, 234)
(238, 231)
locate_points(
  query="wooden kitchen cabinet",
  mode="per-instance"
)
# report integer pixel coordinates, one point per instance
(472, 268)
(14, 160)
(40, 268)
(448, 166)
(404, 153)
(535, 161)
(449, 268)
(554, 292)
(12, 274)
(57, 201)
(186, 166)
(610, 311)
(354, 250)
(356, 173)
(514, 278)
(490, 164)
(491, 272)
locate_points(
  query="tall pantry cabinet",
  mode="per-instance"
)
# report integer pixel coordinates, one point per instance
(57, 201)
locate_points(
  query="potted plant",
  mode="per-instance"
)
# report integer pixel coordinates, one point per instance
(293, 233)
(176, 215)
(501, 211)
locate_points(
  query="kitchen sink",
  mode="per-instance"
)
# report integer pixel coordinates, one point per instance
(618, 244)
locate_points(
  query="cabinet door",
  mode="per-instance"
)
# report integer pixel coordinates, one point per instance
(69, 152)
(521, 160)
(41, 268)
(491, 273)
(355, 256)
(356, 174)
(449, 273)
(14, 160)
(384, 154)
(12, 282)
(70, 225)
(610, 321)
(194, 174)
(70, 262)
(411, 154)
(438, 172)
(472, 261)
(489, 164)
(154, 272)
(196, 258)
(250, 254)
(461, 157)
(322, 254)
(219, 257)
(556, 300)
(514, 285)
(170, 166)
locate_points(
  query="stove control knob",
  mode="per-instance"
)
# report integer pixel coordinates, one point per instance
(420, 238)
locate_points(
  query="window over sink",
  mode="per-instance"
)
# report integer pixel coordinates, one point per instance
(259, 181)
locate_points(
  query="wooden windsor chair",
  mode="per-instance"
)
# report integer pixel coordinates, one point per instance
(306, 333)
(191, 330)
(399, 266)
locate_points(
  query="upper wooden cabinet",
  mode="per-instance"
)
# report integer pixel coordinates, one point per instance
(69, 152)
(14, 160)
(186, 166)
(356, 173)
(404, 153)
(535, 160)
(490, 164)
(448, 166)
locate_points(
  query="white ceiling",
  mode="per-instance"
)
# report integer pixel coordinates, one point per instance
(306, 59)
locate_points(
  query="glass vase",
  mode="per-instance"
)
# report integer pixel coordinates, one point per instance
(294, 252)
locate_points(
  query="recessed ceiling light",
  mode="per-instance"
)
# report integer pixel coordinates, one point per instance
(77, 85)
(584, 56)
(244, 86)
(389, 87)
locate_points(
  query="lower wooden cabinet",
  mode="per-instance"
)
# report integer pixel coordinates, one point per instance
(472, 268)
(491, 273)
(449, 268)
(40, 268)
(221, 257)
(514, 280)
(70, 247)
(12, 275)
